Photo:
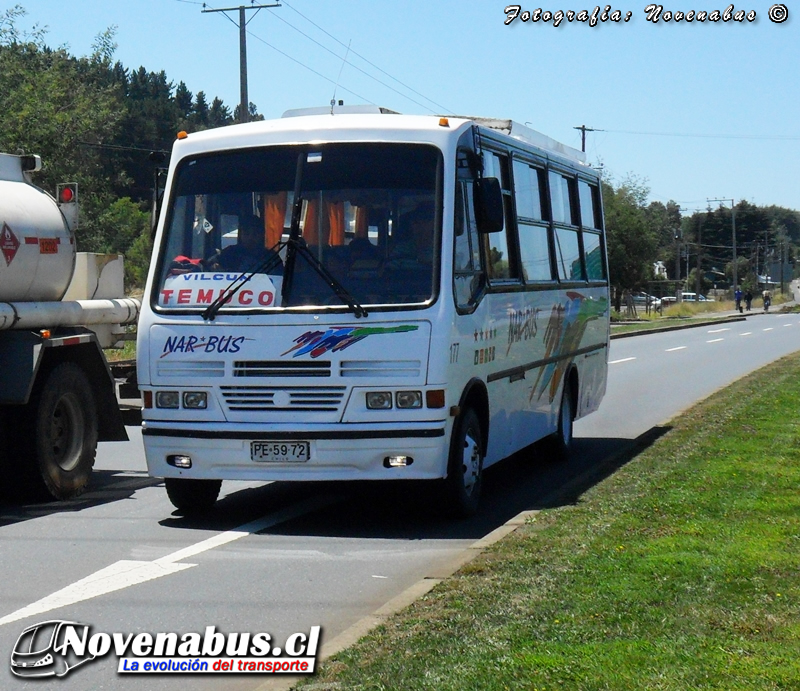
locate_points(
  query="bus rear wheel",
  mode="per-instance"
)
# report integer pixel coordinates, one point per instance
(465, 466)
(561, 441)
(192, 496)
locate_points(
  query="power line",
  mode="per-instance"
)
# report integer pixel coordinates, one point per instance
(709, 136)
(244, 101)
(310, 69)
(345, 61)
(438, 105)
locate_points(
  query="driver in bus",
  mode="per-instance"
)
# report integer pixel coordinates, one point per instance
(249, 252)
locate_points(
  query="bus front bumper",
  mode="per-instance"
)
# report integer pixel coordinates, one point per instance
(361, 453)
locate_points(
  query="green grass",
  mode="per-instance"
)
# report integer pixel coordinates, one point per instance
(673, 322)
(680, 571)
(127, 352)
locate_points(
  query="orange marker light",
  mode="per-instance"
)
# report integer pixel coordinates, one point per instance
(434, 398)
(183, 134)
(45, 333)
(444, 122)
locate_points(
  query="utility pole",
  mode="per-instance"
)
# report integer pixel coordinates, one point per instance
(733, 223)
(584, 129)
(244, 100)
(698, 274)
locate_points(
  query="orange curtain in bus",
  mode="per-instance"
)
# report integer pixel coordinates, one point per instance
(274, 215)
(362, 222)
(336, 223)
(311, 224)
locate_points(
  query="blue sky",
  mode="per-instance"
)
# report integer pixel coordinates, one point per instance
(698, 111)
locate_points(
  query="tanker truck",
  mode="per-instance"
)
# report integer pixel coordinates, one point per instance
(57, 394)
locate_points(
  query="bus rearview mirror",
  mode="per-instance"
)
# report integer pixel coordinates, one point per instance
(488, 205)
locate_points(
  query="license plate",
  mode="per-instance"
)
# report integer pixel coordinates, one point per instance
(279, 451)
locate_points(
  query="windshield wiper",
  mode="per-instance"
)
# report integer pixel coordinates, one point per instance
(264, 266)
(294, 245)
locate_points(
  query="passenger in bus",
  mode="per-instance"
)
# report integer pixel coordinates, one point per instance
(415, 250)
(249, 252)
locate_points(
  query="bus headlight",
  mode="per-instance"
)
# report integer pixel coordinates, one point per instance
(409, 399)
(167, 399)
(195, 399)
(379, 400)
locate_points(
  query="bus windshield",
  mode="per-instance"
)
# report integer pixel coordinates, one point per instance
(367, 215)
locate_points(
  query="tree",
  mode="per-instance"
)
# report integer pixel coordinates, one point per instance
(219, 114)
(253, 114)
(631, 243)
(664, 221)
(51, 105)
(184, 100)
(93, 122)
(199, 118)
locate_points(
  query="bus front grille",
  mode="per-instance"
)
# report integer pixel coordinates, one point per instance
(290, 399)
(281, 368)
(402, 369)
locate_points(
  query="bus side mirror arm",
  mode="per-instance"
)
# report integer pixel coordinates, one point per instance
(488, 205)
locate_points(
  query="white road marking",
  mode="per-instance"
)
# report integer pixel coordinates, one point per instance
(716, 331)
(769, 329)
(787, 324)
(746, 333)
(625, 359)
(126, 573)
(672, 350)
(715, 340)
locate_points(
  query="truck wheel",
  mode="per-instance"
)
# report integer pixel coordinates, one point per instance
(66, 432)
(465, 466)
(192, 496)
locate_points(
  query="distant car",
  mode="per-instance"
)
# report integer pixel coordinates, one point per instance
(693, 297)
(643, 300)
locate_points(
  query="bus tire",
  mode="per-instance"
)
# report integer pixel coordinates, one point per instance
(561, 441)
(65, 427)
(465, 466)
(192, 496)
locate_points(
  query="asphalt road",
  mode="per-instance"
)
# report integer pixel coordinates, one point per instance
(282, 558)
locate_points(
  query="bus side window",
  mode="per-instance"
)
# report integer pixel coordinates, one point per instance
(501, 263)
(467, 272)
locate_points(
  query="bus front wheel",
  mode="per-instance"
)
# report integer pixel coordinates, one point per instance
(465, 466)
(192, 496)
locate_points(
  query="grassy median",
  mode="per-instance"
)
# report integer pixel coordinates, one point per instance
(680, 571)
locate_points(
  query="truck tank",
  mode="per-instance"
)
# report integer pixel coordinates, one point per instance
(37, 248)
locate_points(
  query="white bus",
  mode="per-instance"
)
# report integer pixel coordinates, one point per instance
(369, 296)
